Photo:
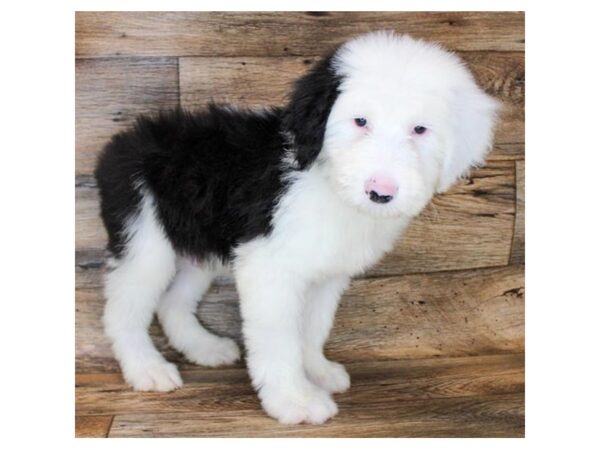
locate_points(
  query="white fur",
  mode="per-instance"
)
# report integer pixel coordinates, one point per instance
(136, 288)
(319, 311)
(176, 312)
(133, 289)
(289, 286)
(325, 230)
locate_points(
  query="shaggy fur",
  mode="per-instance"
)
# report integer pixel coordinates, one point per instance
(215, 176)
(292, 201)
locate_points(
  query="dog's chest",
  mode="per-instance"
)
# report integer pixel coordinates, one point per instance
(316, 233)
(341, 245)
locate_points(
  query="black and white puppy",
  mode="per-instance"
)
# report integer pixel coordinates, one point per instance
(293, 201)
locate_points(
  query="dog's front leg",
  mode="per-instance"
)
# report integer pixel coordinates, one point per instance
(272, 308)
(319, 311)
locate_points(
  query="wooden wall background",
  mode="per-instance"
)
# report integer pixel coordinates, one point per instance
(452, 288)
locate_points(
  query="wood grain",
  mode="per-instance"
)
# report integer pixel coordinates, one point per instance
(260, 81)
(490, 416)
(433, 336)
(112, 92)
(106, 394)
(517, 255)
(472, 396)
(109, 94)
(469, 227)
(515, 152)
(415, 316)
(90, 233)
(100, 34)
(92, 426)
(487, 416)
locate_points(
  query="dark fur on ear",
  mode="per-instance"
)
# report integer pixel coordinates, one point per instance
(305, 117)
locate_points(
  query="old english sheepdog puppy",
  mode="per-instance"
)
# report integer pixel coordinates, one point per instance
(293, 201)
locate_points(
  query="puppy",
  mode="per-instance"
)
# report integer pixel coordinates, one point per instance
(294, 201)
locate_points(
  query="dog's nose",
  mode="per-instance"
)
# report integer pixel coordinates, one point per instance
(375, 197)
(380, 189)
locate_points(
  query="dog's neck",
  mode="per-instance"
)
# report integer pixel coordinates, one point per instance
(348, 240)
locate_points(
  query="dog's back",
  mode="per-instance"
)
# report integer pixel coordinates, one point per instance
(214, 176)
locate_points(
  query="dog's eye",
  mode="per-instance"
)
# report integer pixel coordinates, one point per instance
(360, 122)
(420, 129)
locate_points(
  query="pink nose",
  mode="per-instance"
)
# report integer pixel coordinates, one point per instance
(380, 189)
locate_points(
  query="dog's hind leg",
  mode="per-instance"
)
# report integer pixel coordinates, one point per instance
(176, 315)
(133, 289)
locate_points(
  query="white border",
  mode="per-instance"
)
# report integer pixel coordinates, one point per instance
(562, 222)
(307, 5)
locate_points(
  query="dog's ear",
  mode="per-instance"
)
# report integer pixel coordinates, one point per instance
(305, 117)
(474, 116)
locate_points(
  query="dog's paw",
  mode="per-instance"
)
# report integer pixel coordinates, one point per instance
(158, 376)
(213, 351)
(329, 375)
(309, 404)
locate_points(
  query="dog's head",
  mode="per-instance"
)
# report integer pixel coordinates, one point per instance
(391, 121)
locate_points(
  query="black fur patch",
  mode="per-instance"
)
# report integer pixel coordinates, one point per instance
(306, 115)
(216, 174)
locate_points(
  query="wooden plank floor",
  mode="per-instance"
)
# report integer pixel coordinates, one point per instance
(436, 354)
(433, 336)
(443, 314)
(469, 396)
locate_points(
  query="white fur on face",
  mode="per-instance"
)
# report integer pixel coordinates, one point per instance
(397, 83)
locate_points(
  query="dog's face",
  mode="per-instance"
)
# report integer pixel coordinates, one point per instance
(391, 121)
